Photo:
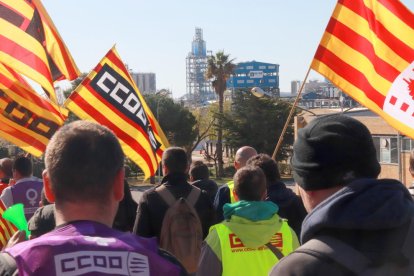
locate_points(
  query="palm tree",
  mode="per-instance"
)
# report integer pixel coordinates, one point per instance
(219, 69)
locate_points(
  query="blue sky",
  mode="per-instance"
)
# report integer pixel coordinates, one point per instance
(155, 35)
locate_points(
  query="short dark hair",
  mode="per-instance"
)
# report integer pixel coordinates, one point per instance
(267, 164)
(250, 183)
(6, 166)
(199, 171)
(82, 160)
(412, 162)
(175, 159)
(23, 165)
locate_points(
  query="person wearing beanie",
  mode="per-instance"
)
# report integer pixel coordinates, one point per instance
(356, 222)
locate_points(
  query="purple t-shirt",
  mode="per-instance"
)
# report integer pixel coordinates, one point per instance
(89, 248)
(27, 192)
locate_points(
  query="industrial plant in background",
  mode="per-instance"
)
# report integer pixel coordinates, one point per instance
(146, 82)
(199, 90)
(255, 74)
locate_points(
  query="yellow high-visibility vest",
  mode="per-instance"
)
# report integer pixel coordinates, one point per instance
(231, 188)
(240, 260)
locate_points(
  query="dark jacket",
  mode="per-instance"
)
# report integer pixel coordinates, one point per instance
(290, 205)
(152, 208)
(124, 219)
(370, 215)
(222, 197)
(207, 185)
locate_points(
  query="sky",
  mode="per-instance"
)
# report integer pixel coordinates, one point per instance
(156, 35)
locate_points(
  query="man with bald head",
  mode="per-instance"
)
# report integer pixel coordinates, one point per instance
(225, 193)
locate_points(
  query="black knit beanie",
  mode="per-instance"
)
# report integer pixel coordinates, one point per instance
(333, 150)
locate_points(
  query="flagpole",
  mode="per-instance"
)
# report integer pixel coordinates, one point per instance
(279, 142)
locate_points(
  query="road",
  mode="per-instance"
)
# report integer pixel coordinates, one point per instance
(137, 191)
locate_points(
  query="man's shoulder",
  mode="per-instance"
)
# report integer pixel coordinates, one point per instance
(296, 263)
(31, 179)
(7, 190)
(307, 261)
(113, 240)
(301, 263)
(149, 194)
(8, 265)
(74, 233)
(223, 188)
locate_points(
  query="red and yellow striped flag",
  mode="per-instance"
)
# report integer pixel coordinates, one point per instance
(7, 229)
(26, 119)
(31, 45)
(109, 96)
(368, 52)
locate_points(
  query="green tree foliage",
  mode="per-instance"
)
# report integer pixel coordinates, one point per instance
(258, 123)
(219, 69)
(177, 122)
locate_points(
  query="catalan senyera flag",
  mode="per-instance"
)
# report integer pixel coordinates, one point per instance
(109, 96)
(31, 45)
(26, 119)
(367, 51)
(7, 229)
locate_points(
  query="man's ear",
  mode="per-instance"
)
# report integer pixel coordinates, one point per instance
(236, 165)
(119, 185)
(47, 186)
(236, 197)
(165, 170)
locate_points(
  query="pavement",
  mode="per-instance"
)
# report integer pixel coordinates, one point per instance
(137, 190)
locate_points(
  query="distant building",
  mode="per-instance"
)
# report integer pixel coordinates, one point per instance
(146, 82)
(315, 86)
(255, 74)
(199, 90)
(294, 87)
(324, 94)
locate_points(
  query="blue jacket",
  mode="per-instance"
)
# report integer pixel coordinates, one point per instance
(290, 205)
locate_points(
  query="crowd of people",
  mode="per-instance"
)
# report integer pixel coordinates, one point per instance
(84, 221)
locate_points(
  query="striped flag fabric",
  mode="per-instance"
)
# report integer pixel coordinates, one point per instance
(7, 229)
(367, 51)
(109, 96)
(31, 45)
(26, 119)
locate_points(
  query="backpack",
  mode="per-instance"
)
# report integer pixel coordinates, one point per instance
(181, 231)
(355, 261)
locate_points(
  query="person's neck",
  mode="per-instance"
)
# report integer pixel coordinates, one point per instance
(74, 211)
